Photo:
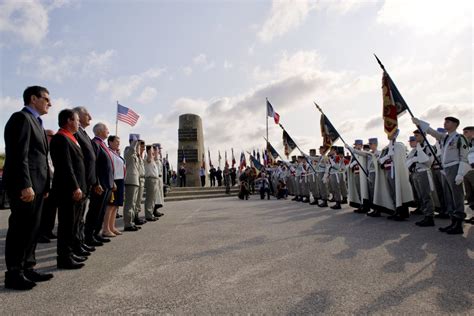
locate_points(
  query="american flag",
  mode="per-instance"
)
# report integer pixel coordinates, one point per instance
(127, 115)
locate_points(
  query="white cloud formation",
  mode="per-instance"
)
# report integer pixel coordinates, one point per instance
(287, 15)
(27, 20)
(427, 16)
(201, 60)
(98, 63)
(124, 87)
(228, 65)
(63, 66)
(148, 94)
(351, 100)
(284, 16)
(187, 70)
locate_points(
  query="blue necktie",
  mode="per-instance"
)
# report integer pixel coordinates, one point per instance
(40, 121)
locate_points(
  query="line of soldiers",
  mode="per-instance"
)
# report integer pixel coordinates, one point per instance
(392, 179)
(85, 170)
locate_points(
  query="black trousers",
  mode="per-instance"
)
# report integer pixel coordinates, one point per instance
(48, 215)
(95, 214)
(182, 181)
(203, 181)
(69, 213)
(79, 236)
(22, 235)
(263, 191)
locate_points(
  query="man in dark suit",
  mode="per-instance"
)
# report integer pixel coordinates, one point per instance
(48, 214)
(88, 152)
(103, 189)
(26, 179)
(69, 183)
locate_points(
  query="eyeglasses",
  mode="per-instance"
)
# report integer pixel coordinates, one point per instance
(46, 99)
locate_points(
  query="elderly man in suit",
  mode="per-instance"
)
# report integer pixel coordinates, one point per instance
(88, 152)
(69, 185)
(102, 189)
(26, 179)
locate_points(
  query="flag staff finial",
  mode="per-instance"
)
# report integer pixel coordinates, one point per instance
(116, 121)
(380, 63)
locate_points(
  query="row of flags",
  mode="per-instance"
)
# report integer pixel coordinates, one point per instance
(393, 106)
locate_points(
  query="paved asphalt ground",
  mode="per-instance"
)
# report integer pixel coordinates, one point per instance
(260, 257)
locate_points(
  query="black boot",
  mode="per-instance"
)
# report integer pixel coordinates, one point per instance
(426, 222)
(456, 229)
(344, 201)
(374, 213)
(396, 217)
(315, 202)
(360, 210)
(16, 280)
(324, 203)
(445, 229)
(336, 206)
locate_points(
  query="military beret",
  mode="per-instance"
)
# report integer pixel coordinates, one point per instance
(452, 119)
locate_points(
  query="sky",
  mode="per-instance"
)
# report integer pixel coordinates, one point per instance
(222, 59)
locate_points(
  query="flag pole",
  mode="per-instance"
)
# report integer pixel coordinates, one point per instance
(411, 114)
(266, 118)
(116, 121)
(304, 155)
(354, 156)
(275, 150)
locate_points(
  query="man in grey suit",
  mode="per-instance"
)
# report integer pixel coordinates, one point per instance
(26, 179)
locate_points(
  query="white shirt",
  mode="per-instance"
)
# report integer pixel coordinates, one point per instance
(119, 170)
(151, 170)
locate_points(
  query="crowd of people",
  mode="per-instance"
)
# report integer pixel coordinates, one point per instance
(435, 180)
(86, 180)
(65, 173)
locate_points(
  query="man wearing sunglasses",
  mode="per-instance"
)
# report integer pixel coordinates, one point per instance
(26, 179)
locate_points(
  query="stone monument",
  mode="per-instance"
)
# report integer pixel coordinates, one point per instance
(191, 146)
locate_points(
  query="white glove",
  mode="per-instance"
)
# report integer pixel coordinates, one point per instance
(325, 179)
(383, 159)
(422, 124)
(459, 179)
(347, 146)
(409, 162)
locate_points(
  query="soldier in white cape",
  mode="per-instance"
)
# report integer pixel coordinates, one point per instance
(357, 182)
(393, 191)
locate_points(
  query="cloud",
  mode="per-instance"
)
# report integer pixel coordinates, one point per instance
(124, 87)
(287, 15)
(439, 112)
(27, 20)
(283, 17)
(427, 17)
(375, 122)
(63, 66)
(98, 63)
(148, 94)
(187, 70)
(228, 65)
(201, 60)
